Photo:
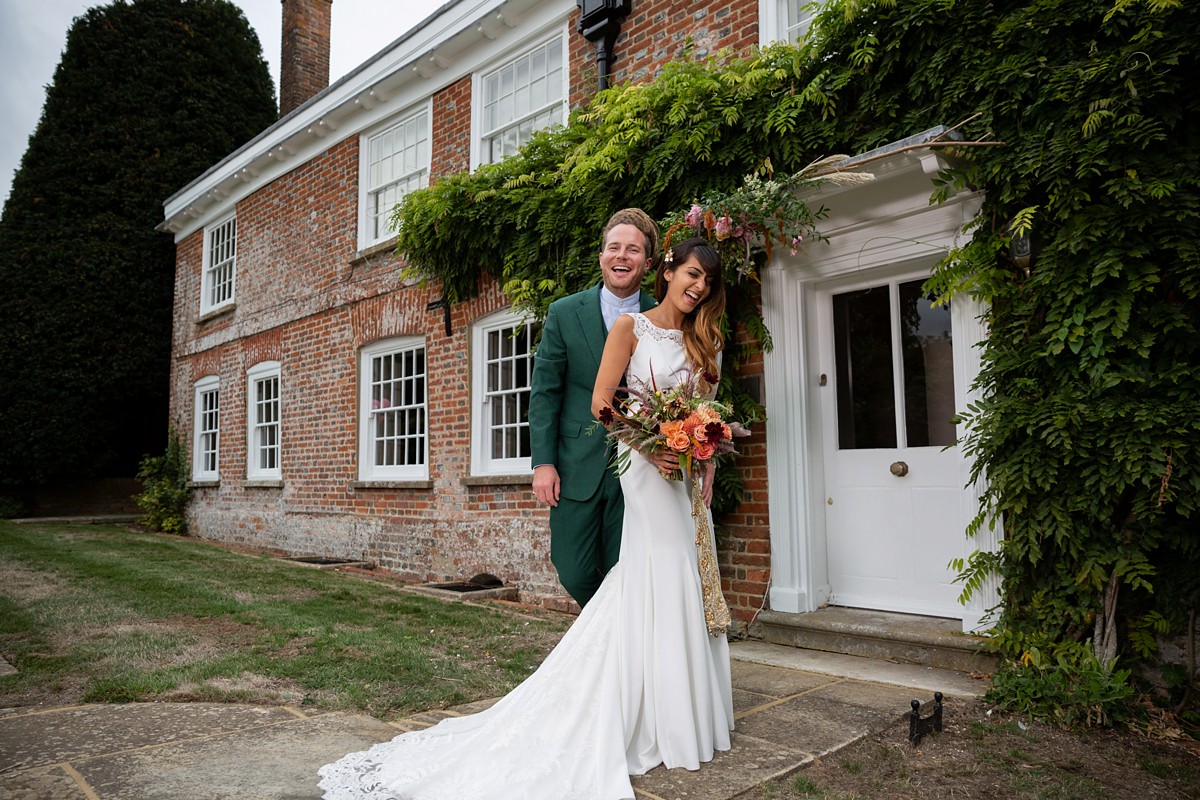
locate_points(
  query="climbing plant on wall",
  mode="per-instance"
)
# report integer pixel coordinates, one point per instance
(1084, 253)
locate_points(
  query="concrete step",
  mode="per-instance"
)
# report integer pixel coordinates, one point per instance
(902, 638)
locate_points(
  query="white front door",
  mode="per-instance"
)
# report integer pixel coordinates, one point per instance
(893, 497)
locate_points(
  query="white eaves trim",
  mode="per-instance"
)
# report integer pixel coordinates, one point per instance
(456, 40)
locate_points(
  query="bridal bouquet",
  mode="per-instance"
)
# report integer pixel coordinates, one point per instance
(681, 419)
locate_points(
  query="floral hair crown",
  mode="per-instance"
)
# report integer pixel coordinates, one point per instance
(669, 256)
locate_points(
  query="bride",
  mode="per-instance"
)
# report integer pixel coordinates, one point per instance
(637, 680)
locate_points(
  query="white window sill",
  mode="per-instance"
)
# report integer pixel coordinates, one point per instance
(216, 312)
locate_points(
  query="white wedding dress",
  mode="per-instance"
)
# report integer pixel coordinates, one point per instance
(636, 681)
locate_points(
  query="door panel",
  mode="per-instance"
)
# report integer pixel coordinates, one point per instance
(892, 486)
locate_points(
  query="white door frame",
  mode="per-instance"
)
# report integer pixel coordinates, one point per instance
(873, 226)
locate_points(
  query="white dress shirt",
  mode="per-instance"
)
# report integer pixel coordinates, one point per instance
(612, 306)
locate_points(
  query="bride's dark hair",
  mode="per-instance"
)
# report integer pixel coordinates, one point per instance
(702, 337)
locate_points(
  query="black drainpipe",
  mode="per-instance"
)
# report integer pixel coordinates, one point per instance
(600, 22)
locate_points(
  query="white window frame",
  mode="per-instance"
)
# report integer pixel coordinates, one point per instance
(784, 20)
(489, 399)
(206, 429)
(373, 415)
(264, 431)
(218, 279)
(412, 173)
(481, 133)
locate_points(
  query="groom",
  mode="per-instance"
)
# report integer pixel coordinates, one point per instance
(570, 456)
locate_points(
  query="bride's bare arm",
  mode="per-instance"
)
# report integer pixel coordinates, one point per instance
(618, 349)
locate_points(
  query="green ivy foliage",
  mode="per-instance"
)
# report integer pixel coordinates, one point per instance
(1088, 433)
(146, 97)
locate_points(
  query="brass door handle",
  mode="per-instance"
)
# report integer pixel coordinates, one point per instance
(899, 469)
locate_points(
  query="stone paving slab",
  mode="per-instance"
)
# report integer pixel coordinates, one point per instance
(48, 783)
(814, 725)
(750, 762)
(772, 681)
(59, 735)
(277, 762)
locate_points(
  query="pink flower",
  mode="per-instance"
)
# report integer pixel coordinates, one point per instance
(703, 451)
(723, 227)
(693, 217)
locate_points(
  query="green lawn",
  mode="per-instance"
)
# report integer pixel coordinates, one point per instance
(107, 614)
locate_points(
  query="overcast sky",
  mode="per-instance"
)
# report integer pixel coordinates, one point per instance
(34, 32)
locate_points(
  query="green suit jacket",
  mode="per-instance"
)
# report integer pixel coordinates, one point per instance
(560, 401)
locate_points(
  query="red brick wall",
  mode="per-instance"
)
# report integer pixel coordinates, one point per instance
(451, 130)
(658, 32)
(305, 298)
(744, 548)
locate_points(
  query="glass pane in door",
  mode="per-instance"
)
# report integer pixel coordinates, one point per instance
(866, 400)
(928, 368)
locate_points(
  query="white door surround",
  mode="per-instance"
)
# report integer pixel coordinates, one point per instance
(878, 232)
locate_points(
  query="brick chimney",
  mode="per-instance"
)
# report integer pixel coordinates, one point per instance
(304, 64)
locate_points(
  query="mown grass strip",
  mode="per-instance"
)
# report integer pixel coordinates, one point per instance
(106, 614)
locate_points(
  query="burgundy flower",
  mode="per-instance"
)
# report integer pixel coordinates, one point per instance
(714, 432)
(606, 416)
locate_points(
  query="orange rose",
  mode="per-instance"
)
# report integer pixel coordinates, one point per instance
(676, 437)
(703, 451)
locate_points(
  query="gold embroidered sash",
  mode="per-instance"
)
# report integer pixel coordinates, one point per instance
(716, 612)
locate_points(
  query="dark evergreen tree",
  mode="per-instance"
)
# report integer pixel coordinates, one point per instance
(147, 96)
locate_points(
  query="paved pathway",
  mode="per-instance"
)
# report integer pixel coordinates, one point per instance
(791, 706)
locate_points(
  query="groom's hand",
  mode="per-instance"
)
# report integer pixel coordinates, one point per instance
(546, 484)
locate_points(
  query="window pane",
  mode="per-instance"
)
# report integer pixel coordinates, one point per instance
(209, 427)
(799, 15)
(219, 270)
(928, 368)
(521, 97)
(507, 367)
(866, 402)
(265, 438)
(398, 399)
(398, 162)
